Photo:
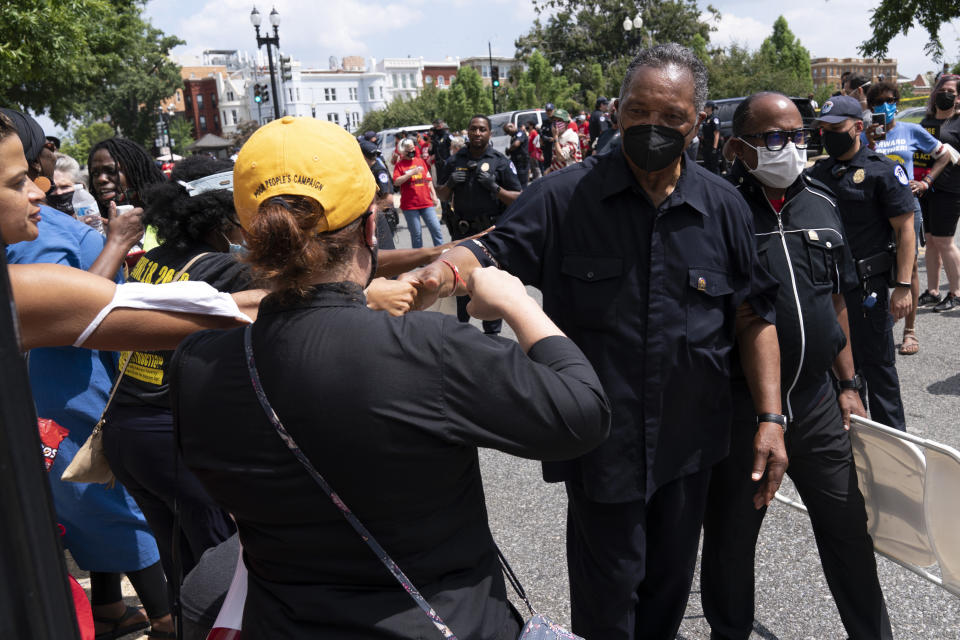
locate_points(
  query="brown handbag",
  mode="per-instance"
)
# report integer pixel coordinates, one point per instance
(90, 462)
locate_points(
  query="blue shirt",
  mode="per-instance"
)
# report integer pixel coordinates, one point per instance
(650, 295)
(105, 530)
(901, 142)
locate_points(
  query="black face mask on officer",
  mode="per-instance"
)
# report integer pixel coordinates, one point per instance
(837, 143)
(653, 147)
(61, 201)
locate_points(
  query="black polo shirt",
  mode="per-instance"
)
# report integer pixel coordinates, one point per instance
(650, 294)
(870, 189)
(391, 412)
(805, 250)
(709, 127)
(471, 200)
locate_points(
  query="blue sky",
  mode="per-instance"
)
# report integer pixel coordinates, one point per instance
(313, 31)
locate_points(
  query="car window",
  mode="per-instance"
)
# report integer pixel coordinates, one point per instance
(497, 121)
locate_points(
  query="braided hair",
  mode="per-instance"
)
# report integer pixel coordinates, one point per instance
(138, 167)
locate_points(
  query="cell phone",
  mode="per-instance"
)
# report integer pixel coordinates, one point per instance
(879, 121)
(123, 208)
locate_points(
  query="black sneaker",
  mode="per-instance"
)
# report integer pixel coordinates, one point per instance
(926, 298)
(950, 302)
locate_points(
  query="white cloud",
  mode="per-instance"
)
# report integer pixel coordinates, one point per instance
(732, 29)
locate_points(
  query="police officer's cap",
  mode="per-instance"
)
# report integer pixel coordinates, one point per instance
(548, 107)
(601, 100)
(711, 104)
(838, 109)
(370, 135)
(369, 149)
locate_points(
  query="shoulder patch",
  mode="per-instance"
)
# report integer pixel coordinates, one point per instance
(513, 168)
(382, 177)
(901, 175)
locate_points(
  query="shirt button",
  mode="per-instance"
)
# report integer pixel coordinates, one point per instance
(829, 244)
(589, 274)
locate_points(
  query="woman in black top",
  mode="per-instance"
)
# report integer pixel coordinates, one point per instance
(138, 437)
(941, 206)
(390, 410)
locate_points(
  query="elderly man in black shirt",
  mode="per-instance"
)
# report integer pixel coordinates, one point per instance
(801, 242)
(649, 264)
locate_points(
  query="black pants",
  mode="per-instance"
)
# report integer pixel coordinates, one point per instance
(711, 159)
(631, 564)
(143, 456)
(523, 174)
(822, 468)
(871, 338)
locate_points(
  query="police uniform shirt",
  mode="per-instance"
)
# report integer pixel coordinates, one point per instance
(710, 126)
(441, 146)
(599, 122)
(650, 294)
(520, 156)
(870, 189)
(812, 262)
(382, 178)
(546, 141)
(470, 199)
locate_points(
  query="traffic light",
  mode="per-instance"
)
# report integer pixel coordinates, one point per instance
(257, 93)
(265, 94)
(495, 76)
(286, 72)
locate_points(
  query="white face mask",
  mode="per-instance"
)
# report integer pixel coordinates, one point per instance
(778, 169)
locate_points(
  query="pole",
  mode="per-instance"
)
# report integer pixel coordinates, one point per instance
(273, 79)
(493, 89)
(36, 601)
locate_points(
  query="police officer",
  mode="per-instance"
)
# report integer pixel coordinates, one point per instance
(801, 243)
(547, 138)
(387, 217)
(599, 122)
(710, 139)
(876, 207)
(518, 151)
(482, 182)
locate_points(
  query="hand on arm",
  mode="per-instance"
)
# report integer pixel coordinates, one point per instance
(901, 300)
(848, 399)
(123, 231)
(436, 280)
(760, 355)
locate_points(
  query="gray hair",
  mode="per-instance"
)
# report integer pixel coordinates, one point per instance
(407, 142)
(456, 143)
(671, 54)
(66, 164)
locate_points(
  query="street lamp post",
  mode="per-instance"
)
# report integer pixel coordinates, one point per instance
(634, 25)
(255, 20)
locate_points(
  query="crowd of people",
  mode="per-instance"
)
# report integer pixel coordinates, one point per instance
(697, 333)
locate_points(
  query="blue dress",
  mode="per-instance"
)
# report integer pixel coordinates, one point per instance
(105, 530)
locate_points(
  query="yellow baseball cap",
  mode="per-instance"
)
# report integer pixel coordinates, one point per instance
(303, 157)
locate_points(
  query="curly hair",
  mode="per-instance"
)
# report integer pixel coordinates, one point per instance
(879, 88)
(286, 252)
(182, 220)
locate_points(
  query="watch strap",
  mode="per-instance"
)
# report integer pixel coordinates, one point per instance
(853, 384)
(902, 285)
(778, 418)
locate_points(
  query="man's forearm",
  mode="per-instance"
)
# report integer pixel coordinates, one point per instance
(444, 192)
(507, 197)
(465, 262)
(109, 261)
(906, 247)
(760, 356)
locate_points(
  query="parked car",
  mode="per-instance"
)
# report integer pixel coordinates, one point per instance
(388, 140)
(498, 138)
(911, 114)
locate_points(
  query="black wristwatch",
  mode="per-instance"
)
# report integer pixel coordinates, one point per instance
(780, 419)
(853, 384)
(902, 285)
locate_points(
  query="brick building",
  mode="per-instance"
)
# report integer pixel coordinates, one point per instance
(827, 71)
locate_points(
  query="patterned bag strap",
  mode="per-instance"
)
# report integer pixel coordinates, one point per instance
(365, 535)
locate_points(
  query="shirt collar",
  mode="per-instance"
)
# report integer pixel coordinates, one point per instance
(328, 294)
(690, 189)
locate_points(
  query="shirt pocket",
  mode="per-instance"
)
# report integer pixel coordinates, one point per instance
(593, 284)
(706, 309)
(822, 247)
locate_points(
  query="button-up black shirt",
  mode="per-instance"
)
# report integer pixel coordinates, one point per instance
(471, 200)
(870, 189)
(391, 412)
(650, 294)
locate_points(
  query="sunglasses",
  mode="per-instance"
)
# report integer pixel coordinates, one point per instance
(777, 139)
(890, 100)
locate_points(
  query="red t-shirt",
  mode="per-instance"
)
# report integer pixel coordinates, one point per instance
(415, 192)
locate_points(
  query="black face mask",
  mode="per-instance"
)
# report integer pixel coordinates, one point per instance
(411, 154)
(653, 147)
(837, 143)
(945, 101)
(61, 201)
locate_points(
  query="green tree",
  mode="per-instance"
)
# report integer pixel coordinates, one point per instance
(574, 35)
(782, 59)
(81, 138)
(181, 130)
(86, 60)
(893, 17)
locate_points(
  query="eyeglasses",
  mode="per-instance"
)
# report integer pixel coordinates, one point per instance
(778, 139)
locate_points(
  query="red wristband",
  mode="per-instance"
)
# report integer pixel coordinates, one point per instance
(457, 280)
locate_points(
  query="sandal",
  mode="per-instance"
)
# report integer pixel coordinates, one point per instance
(119, 629)
(910, 345)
